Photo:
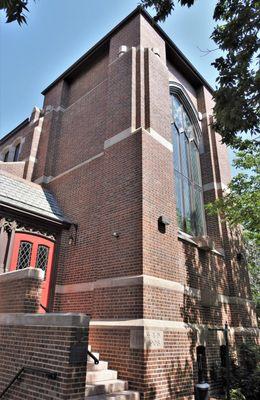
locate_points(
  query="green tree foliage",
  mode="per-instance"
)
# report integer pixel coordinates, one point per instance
(245, 374)
(237, 96)
(240, 206)
(14, 10)
(236, 114)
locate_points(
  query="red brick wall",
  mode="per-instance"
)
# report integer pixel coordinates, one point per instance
(28, 137)
(20, 291)
(42, 341)
(14, 168)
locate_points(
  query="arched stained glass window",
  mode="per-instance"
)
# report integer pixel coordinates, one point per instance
(189, 196)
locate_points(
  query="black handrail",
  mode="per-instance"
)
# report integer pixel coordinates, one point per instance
(47, 373)
(44, 308)
(96, 361)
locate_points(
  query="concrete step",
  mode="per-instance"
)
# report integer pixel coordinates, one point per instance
(97, 367)
(124, 395)
(106, 387)
(95, 354)
(101, 375)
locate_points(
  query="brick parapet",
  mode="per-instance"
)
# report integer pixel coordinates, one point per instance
(49, 338)
(20, 291)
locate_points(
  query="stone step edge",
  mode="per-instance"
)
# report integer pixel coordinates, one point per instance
(103, 384)
(111, 395)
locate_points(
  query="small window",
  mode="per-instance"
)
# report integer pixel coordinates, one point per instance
(24, 256)
(6, 156)
(223, 355)
(42, 258)
(16, 152)
(202, 364)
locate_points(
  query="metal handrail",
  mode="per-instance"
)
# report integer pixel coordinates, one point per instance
(47, 373)
(44, 308)
(96, 361)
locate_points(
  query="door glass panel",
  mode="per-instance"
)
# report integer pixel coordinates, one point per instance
(24, 256)
(42, 258)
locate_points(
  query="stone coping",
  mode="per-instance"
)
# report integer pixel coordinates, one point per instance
(56, 320)
(26, 273)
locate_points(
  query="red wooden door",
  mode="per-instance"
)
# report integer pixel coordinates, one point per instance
(36, 252)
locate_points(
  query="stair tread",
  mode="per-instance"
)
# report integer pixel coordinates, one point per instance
(106, 387)
(100, 375)
(115, 395)
(102, 366)
(106, 382)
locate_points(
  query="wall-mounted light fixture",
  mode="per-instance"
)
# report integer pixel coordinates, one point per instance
(116, 234)
(73, 234)
(122, 50)
(163, 221)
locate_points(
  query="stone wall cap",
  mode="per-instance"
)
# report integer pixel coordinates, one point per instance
(26, 273)
(58, 320)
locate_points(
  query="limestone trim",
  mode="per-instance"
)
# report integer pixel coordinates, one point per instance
(77, 166)
(48, 179)
(108, 143)
(43, 179)
(50, 320)
(26, 273)
(166, 325)
(214, 186)
(119, 137)
(156, 136)
(145, 280)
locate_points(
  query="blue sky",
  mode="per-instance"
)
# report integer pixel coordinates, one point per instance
(60, 31)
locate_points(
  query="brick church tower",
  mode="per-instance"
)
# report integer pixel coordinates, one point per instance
(104, 189)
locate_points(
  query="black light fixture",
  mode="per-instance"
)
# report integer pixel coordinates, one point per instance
(163, 221)
(73, 234)
(116, 234)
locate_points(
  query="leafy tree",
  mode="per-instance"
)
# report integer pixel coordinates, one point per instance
(237, 96)
(241, 203)
(240, 206)
(236, 114)
(14, 10)
(245, 373)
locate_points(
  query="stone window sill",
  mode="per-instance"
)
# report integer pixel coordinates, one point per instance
(190, 239)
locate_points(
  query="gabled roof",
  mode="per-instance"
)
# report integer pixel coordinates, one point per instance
(28, 197)
(179, 58)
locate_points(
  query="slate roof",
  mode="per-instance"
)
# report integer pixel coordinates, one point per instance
(30, 197)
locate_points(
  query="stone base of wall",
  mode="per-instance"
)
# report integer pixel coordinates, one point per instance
(43, 341)
(161, 363)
